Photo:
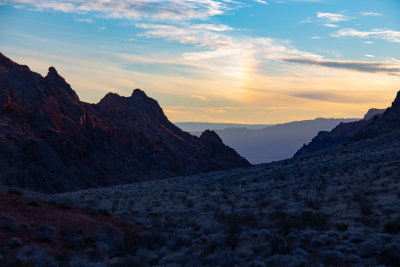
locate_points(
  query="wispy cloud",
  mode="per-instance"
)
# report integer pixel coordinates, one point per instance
(383, 34)
(135, 9)
(332, 17)
(200, 97)
(219, 43)
(371, 14)
(213, 27)
(327, 19)
(262, 2)
(336, 96)
(371, 67)
(194, 35)
(87, 20)
(307, 20)
(330, 25)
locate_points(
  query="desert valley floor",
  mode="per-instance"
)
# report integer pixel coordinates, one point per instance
(339, 208)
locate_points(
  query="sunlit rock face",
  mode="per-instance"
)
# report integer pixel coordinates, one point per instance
(51, 141)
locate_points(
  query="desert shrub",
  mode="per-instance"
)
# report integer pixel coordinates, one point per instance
(315, 220)
(392, 227)
(109, 242)
(147, 255)
(331, 257)
(357, 238)
(390, 255)
(180, 241)
(212, 243)
(9, 224)
(286, 260)
(369, 221)
(352, 259)
(317, 242)
(131, 242)
(44, 233)
(153, 240)
(346, 248)
(14, 191)
(257, 263)
(366, 205)
(93, 255)
(65, 202)
(178, 258)
(14, 242)
(279, 245)
(224, 258)
(33, 256)
(72, 238)
(314, 204)
(369, 249)
(234, 223)
(341, 226)
(285, 221)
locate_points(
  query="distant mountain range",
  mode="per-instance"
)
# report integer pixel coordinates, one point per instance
(271, 142)
(202, 126)
(50, 141)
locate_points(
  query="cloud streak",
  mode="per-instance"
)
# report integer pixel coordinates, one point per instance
(332, 17)
(383, 34)
(196, 35)
(375, 14)
(173, 10)
(371, 67)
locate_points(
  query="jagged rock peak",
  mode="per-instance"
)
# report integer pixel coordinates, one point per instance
(53, 75)
(52, 71)
(396, 102)
(6, 63)
(373, 112)
(210, 136)
(138, 93)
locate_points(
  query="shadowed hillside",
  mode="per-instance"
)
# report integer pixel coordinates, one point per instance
(340, 134)
(50, 141)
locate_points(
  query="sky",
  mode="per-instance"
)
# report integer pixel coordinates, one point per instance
(232, 61)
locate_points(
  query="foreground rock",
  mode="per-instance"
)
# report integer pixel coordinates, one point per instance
(50, 141)
(34, 232)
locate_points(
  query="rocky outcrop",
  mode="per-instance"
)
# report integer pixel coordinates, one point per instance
(340, 134)
(389, 121)
(56, 228)
(50, 141)
(373, 112)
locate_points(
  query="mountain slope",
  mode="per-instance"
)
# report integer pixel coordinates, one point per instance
(340, 134)
(386, 124)
(51, 141)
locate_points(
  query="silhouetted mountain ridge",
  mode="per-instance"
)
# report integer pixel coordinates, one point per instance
(50, 141)
(374, 123)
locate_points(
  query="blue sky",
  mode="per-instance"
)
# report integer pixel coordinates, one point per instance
(216, 60)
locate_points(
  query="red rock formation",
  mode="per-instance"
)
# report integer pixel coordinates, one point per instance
(22, 216)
